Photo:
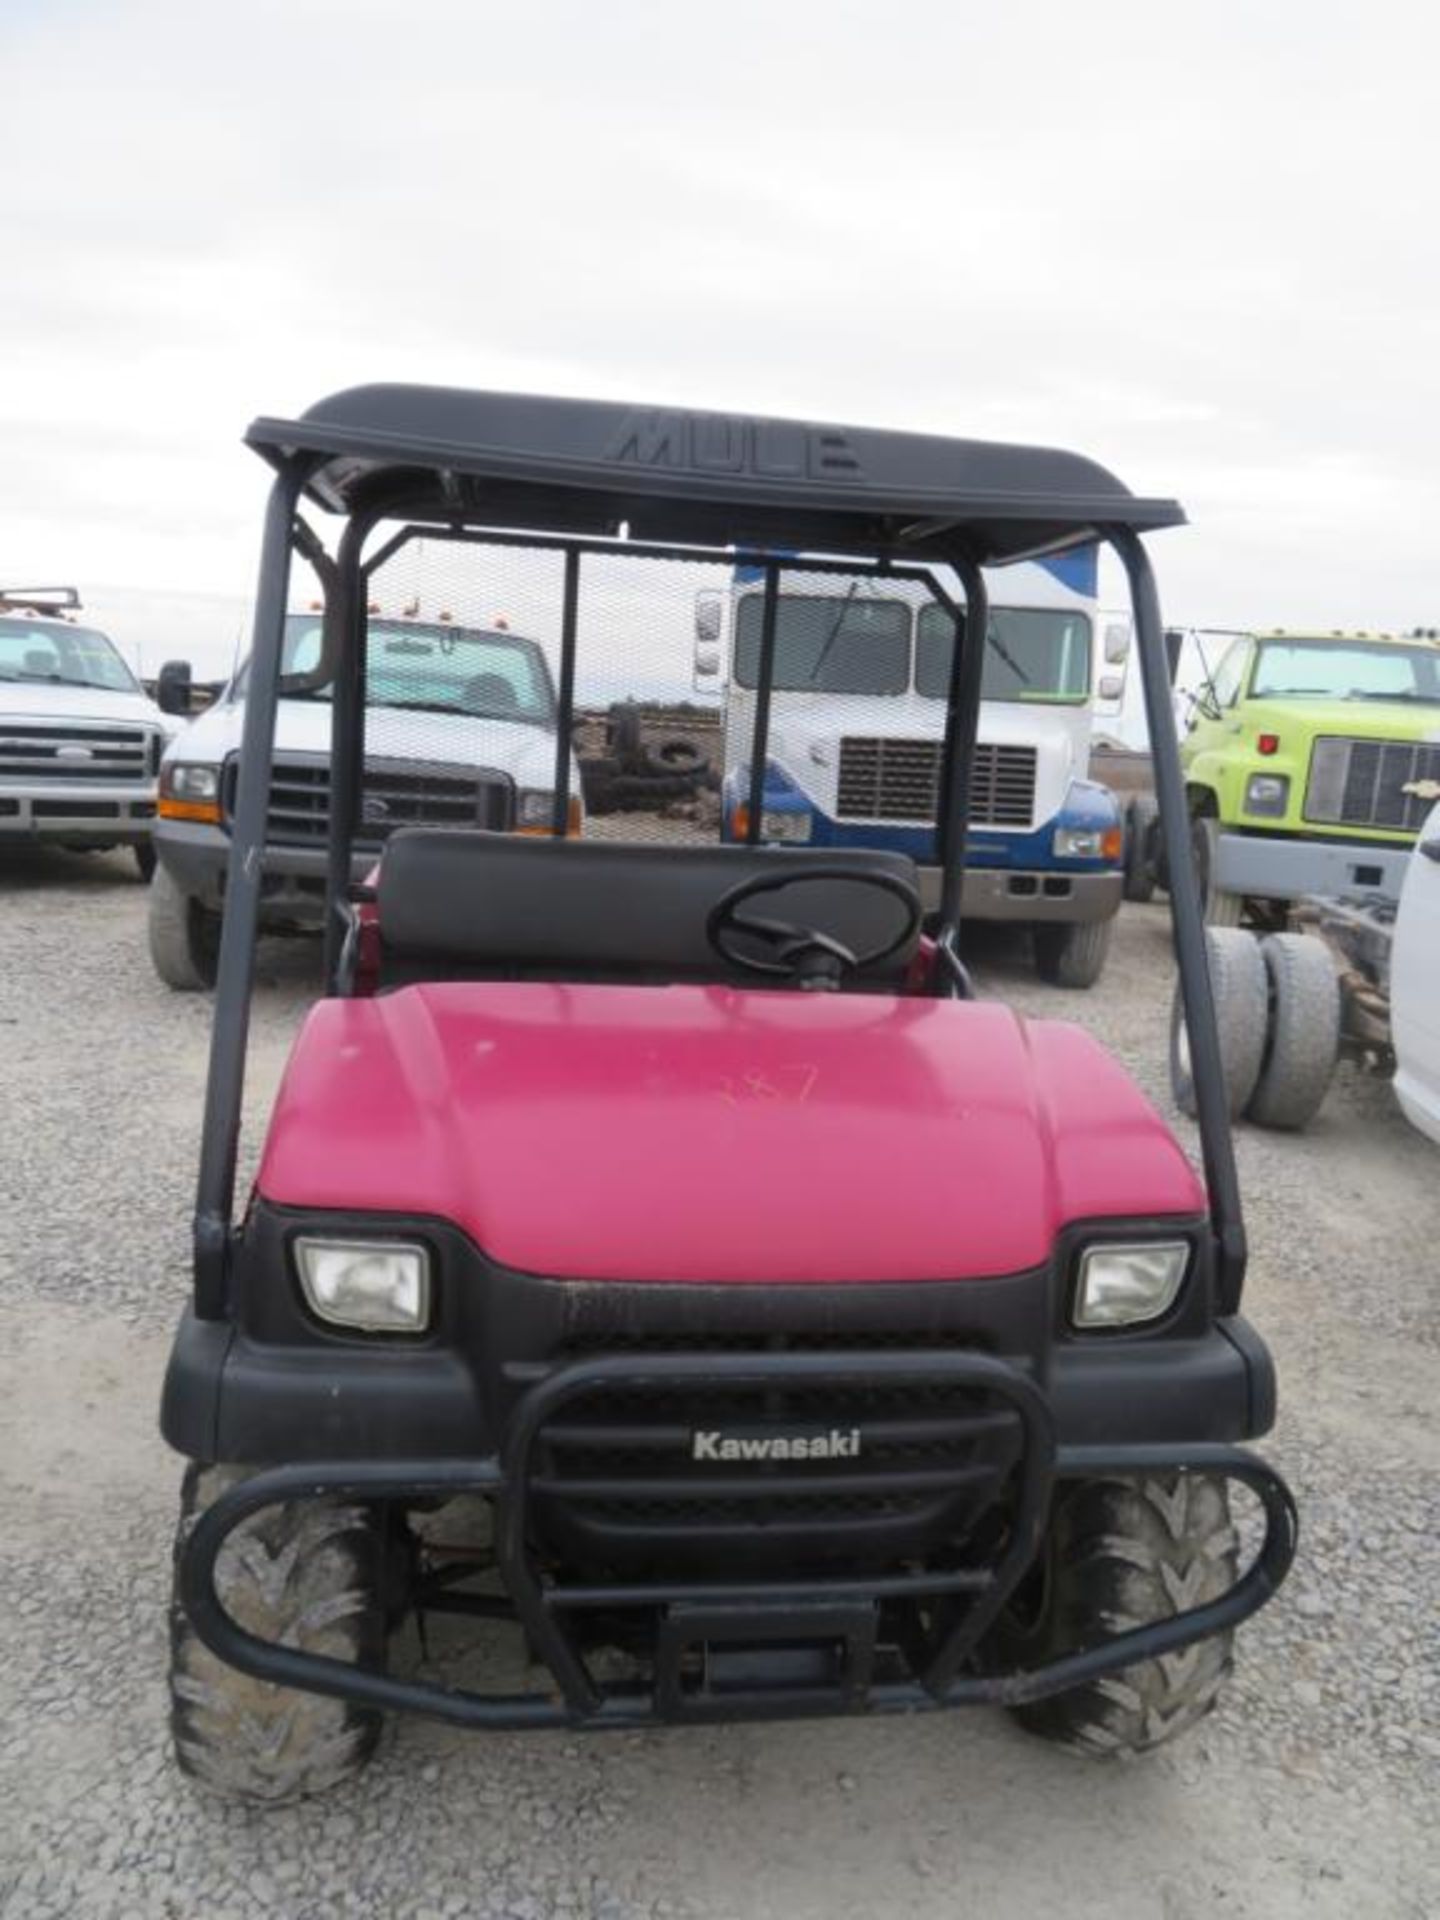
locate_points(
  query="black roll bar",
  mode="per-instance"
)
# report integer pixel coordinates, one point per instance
(346, 617)
(1197, 998)
(230, 1030)
(962, 727)
(764, 687)
(565, 712)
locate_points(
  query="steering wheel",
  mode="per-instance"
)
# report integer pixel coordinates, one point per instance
(812, 959)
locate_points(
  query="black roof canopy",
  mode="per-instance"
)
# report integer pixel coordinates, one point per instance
(712, 479)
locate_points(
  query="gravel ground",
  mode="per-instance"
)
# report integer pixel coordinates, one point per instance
(1312, 1791)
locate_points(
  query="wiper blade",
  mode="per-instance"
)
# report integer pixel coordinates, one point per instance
(992, 639)
(449, 706)
(833, 635)
(420, 706)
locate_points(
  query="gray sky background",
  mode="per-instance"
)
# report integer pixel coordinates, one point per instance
(1199, 243)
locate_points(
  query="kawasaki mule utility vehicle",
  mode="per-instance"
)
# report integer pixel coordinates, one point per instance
(661, 1262)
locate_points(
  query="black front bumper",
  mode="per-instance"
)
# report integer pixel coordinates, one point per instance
(727, 1642)
(231, 1397)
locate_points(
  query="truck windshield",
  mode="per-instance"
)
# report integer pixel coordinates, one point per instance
(52, 652)
(432, 667)
(1033, 654)
(827, 643)
(1330, 669)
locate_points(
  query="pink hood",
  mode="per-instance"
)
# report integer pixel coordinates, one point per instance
(704, 1134)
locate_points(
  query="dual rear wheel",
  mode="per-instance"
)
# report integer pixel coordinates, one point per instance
(1278, 1015)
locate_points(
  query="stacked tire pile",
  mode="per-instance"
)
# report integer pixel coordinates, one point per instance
(634, 775)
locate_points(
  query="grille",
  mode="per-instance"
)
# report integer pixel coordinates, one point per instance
(615, 1482)
(1361, 783)
(74, 754)
(407, 794)
(900, 780)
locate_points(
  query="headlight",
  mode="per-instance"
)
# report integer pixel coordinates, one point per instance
(1086, 843)
(535, 811)
(1267, 793)
(777, 825)
(189, 790)
(379, 1286)
(187, 781)
(1125, 1284)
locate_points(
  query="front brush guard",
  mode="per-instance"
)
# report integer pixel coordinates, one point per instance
(753, 1609)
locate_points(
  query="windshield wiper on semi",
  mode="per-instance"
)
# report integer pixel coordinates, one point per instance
(993, 639)
(833, 635)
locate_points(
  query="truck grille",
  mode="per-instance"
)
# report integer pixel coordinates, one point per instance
(617, 1482)
(395, 794)
(1361, 783)
(73, 754)
(884, 779)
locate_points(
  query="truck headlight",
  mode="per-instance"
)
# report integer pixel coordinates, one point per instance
(535, 811)
(1267, 794)
(189, 790)
(1086, 843)
(776, 824)
(1128, 1283)
(377, 1286)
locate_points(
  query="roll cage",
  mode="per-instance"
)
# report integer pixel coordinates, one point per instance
(603, 478)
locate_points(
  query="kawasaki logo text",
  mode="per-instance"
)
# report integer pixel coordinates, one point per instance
(840, 1443)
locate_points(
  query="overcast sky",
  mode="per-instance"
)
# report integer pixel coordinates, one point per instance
(1197, 242)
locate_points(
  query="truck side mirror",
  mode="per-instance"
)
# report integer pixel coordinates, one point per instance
(1117, 644)
(709, 613)
(172, 687)
(709, 622)
(1112, 686)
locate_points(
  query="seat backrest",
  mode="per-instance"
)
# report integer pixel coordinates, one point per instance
(509, 903)
(492, 690)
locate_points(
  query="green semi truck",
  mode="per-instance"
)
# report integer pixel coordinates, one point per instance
(1310, 762)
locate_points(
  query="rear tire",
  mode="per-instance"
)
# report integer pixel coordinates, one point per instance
(1123, 1554)
(184, 936)
(306, 1574)
(1072, 955)
(1221, 909)
(1304, 1032)
(1242, 1015)
(1140, 818)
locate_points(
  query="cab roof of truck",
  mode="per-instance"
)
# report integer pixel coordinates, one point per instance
(593, 467)
(1423, 635)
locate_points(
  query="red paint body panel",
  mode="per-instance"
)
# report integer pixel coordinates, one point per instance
(706, 1134)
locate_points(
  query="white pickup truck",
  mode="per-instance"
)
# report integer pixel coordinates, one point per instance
(80, 740)
(460, 731)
